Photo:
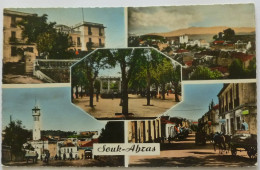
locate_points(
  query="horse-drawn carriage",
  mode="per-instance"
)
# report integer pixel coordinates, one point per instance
(243, 141)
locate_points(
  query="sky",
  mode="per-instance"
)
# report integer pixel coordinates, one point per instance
(56, 109)
(145, 20)
(112, 18)
(197, 98)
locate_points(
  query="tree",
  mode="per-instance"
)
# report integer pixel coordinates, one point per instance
(49, 42)
(176, 80)
(163, 74)
(251, 70)
(113, 133)
(229, 34)
(148, 60)
(236, 70)
(125, 58)
(101, 59)
(15, 136)
(204, 73)
(32, 26)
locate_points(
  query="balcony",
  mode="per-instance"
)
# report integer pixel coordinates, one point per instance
(89, 33)
(98, 45)
(13, 25)
(14, 40)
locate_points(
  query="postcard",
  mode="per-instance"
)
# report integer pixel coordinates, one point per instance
(161, 86)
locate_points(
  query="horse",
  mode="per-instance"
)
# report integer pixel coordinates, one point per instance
(219, 140)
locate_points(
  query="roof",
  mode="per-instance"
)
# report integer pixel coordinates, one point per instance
(84, 23)
(221, 69)
(218, 42)
(224, 87)
(182, 51)
(165, 121)
(242, 56)
(68, 145)
(17, 13)
(89, 143)
(216, 106)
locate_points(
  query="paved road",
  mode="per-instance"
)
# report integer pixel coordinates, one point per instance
(186, 153)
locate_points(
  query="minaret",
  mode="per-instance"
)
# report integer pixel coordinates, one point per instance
(37, 123)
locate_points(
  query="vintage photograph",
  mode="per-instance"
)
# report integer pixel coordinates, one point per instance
(175, 80)
(40, 44)
(214, 129)
(47, 130)
(210, 41)
(130, 83)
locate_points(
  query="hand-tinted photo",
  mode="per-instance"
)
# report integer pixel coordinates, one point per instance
(210, 41)
(40, 44)
(131, 83)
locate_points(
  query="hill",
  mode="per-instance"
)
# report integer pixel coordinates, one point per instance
(205, 30)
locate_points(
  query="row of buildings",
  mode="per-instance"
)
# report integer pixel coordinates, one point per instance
(237, 104)
(157, 130)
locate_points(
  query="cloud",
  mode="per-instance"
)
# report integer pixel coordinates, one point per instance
(168, 17)
(164, 19)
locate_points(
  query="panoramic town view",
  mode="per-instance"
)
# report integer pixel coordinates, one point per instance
(126, 83)
(210, 44)
(220, 130)
(37, 133)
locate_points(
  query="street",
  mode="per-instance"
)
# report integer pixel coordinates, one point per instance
(112, 161)
(187, 154)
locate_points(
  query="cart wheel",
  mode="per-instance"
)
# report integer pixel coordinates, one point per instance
(234, 151)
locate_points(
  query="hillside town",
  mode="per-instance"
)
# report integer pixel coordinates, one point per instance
(210, 58)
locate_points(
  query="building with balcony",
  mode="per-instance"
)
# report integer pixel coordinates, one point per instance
(13, 44)
(83, 36)
(237, 104)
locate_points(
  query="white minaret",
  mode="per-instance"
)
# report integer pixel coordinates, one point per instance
(36, 113)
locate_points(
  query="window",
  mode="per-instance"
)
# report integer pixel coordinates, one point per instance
(89, 30)
(90, 40)
(36, 118)
(13, 21)
(29, 49)
(100, 42)
(100, 33)
(13, 51)
(238, 123)
(13, 34)
(78, 41)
